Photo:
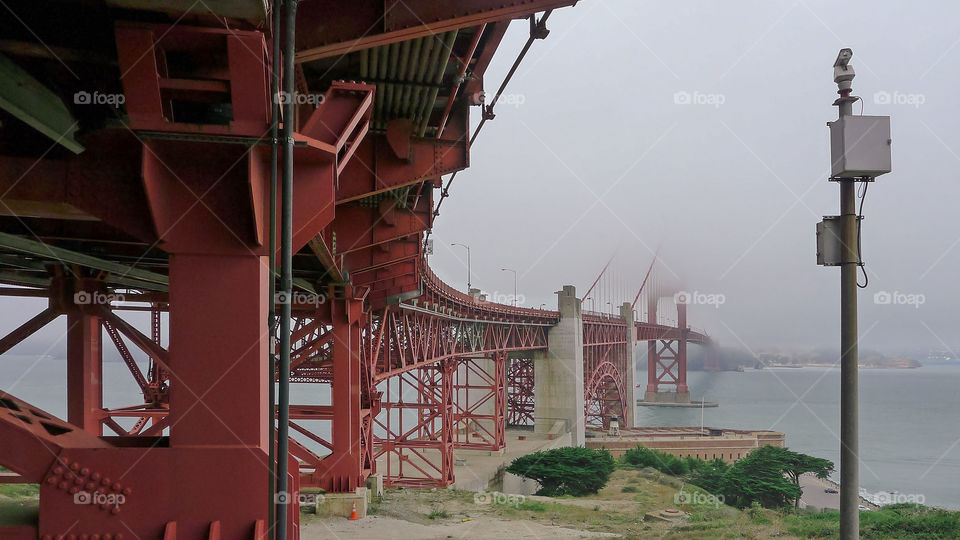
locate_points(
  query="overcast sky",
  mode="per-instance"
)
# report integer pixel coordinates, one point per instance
(591, 150)
(591, 154)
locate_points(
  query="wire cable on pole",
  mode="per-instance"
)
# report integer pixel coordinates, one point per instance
(863, 197)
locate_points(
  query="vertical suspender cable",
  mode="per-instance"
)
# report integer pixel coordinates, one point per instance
(286, 268)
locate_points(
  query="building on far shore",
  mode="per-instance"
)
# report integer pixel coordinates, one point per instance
(702, 443)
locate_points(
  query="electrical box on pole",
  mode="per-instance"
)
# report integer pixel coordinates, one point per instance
(829, 246)
(828, 242)
(859, 146)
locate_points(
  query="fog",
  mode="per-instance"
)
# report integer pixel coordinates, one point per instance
(701, 126)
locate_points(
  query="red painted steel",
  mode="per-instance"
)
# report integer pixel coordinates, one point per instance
(520, 397)
(479, 404)
(415, 369)
(606, 360)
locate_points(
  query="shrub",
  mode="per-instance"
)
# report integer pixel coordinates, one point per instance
(562, 471)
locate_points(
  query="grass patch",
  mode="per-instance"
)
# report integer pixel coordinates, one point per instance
(19, 491)
(628, 489)
(437, 513)
(902, 521)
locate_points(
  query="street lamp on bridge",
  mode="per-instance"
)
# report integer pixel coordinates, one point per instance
(468, 263)
(514, 283)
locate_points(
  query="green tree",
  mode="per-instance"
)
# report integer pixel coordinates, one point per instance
(770, 475)
(566, 471)
(642, 456)
(709, 475)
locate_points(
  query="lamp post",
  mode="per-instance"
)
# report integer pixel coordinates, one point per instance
(468, 263)
(514, 283)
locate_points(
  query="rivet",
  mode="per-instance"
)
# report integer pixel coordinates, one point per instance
(90, 486)
(119, 536)
(108, 536)
(74, 465)
(117, 486)
(78, 480)
(51, 480)
(69, 476)
(105, 481)
(58, 470)
(74, 489)
(115, 510)
(62, 485)
(85, 471)
(95, 476)
(127, 491)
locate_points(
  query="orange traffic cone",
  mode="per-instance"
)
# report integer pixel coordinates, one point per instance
(353, 513)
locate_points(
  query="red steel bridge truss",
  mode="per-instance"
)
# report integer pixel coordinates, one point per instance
(135, 167)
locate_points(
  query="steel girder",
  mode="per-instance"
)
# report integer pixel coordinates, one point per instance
(520, 397)
(415, 440)
(326, 28)
(606, 359)
(479, 405)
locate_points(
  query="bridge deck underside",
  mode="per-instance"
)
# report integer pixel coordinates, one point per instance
(161, 204)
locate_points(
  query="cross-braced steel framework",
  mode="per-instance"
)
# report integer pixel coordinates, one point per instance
(520, 398)
(167, 200)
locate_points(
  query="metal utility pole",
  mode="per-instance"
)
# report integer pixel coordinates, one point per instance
(849, 354)
(860, 151)
(514, 283)
(468, 264)
(272, 301)
(286, 503)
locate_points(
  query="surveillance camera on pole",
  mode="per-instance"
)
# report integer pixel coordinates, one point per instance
(859, 152)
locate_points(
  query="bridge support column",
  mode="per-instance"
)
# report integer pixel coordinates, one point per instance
(558, 375)
(630, 374)
(667, 361)
(520, 392)
(480, 402)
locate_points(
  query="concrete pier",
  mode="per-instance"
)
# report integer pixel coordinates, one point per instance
(629, 378)
(558, 375)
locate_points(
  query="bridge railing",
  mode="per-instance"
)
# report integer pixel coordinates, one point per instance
(432, 284)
